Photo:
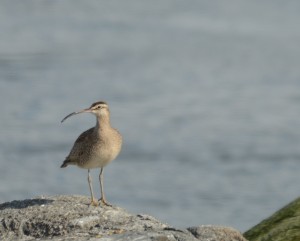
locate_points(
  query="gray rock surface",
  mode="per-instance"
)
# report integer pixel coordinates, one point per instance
(72, 218)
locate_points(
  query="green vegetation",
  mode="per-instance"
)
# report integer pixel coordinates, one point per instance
(284, 225)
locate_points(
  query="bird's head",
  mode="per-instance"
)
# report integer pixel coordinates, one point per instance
(99, 109)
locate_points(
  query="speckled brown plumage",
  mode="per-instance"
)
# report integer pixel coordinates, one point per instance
(97, 146)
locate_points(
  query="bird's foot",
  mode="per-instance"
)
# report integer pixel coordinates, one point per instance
(94, 202)
(104, 202)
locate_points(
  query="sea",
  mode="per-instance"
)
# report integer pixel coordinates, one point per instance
(205, 93)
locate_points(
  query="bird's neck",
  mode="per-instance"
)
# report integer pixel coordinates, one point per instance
(103, 123)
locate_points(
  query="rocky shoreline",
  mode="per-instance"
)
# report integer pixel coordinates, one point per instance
(71, 218)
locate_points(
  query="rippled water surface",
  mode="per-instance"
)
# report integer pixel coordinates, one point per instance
(205, 93)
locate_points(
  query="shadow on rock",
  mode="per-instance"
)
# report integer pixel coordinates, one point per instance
(25, 203)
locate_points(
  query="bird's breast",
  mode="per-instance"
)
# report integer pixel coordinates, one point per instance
(101, 154)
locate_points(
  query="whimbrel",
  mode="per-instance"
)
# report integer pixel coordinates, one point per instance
(96, 147)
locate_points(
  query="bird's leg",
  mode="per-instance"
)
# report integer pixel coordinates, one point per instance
(102, 199)
(93, 200)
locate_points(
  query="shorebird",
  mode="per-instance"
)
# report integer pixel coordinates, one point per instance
(96, 147)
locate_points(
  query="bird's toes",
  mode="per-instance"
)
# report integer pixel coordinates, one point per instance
(102, 201)
(94, 203)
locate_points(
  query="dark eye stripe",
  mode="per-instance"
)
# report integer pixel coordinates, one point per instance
(99, 107)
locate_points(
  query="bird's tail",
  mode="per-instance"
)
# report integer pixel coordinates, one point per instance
(65, 163)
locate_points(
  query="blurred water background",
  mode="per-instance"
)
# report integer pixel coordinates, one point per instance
(205, 93)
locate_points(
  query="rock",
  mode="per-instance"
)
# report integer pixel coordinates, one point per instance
(212, 233)
(71, 218)
(284, 225)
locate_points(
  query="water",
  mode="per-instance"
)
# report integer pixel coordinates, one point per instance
(205, 93)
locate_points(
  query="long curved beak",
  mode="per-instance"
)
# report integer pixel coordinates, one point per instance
(75, 113)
